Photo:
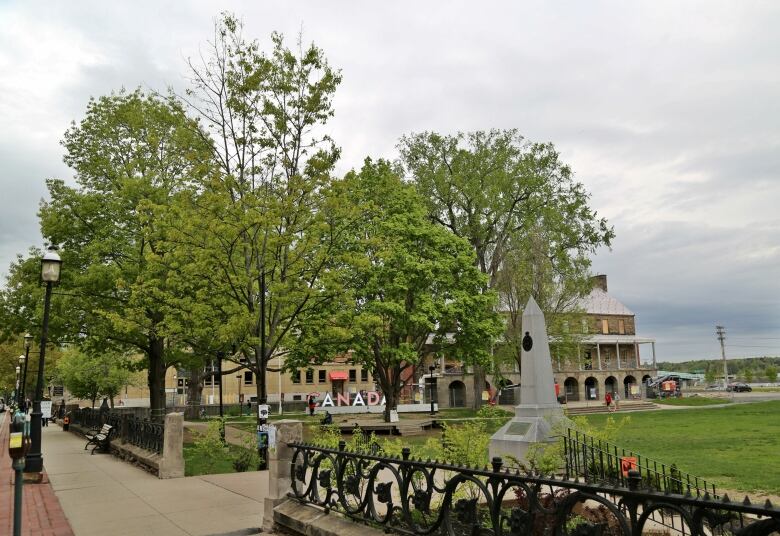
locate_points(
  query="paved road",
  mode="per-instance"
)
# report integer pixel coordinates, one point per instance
(101, 494)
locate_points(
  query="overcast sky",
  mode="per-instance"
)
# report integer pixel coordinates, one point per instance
(668, 112)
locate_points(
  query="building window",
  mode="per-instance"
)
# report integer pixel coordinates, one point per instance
(352, 375)
(296, 397)
(363, 375)
(622, 326)
(584, 326)
(296, 376)
(605, 326)
(211, 377)
(309, 376)
(248, 377)
(321, 376)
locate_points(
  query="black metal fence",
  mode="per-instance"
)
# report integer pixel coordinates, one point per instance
(408, 496)
(142, 433)
(601, 462)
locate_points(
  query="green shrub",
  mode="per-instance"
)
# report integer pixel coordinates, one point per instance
(208, 445)
(247, 457)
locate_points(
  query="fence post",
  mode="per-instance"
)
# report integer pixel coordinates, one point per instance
(279, 462)
(172, 462)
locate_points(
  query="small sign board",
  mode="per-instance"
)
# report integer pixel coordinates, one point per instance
(15, 441)
(46, 409)
(393, 415)
(262, 411)
(57, 390)
(627, 463)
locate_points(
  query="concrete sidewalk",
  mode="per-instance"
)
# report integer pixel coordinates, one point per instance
(101, 494)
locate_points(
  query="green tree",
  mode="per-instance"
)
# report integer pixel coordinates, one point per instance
(89, 376)
(748, 374)
(770, 373)
(504, 195)
(131, 153)
(408, 286)
(710, 376)
(250, 238)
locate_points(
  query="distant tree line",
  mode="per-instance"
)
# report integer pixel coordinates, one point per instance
(746, 369)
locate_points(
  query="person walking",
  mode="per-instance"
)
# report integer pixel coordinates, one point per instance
(312, 405)
(608, 400)
(617, 401)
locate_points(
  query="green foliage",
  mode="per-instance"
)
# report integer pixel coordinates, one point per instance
(247, 458)
(90, 376)
(208, 445)
(748, 375)
(403, 284)
(770, 373)
(492, 412)
(250, 238)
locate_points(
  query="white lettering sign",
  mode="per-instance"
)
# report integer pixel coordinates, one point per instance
(328, 401)
(358, 400)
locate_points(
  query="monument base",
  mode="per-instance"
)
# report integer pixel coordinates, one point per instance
(531, 424)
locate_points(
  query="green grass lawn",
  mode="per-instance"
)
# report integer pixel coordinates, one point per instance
(736, 447)
(692, 401)
(195, 464)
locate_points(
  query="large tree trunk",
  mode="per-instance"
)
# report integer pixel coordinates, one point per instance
(156, 379)
(194, 395)
(479, 386)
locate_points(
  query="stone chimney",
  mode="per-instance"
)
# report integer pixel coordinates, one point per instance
(600, 281)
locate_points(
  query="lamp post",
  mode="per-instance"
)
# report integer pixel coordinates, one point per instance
(240, 402)
(27, 345)
(18, 384)
(50, 274)
(431, 368)
(22, 366)
(220, 355)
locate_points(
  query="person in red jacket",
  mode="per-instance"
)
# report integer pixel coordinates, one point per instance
(608, 400)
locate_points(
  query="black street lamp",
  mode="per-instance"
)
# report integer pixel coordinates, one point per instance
(27, 345)
(22, 366)
(431, 368)
(18, 385)
(50, 274)
(220, 355)
(240, 402)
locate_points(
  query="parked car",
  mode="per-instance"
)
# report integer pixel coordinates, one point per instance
(739, 388)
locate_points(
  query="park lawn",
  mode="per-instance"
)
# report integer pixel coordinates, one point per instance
(735, 447)
(692, 401)
(195, 464)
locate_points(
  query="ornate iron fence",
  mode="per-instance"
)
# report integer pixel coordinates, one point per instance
(600, 462)
(419, 497)
(142, 433)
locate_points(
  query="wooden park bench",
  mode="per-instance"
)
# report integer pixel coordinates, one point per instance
(100, 439)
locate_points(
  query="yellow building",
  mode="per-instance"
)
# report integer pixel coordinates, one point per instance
(337, 377)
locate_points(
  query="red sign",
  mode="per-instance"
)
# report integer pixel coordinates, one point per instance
(627, 463)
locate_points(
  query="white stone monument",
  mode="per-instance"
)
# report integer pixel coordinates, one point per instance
(538, 410)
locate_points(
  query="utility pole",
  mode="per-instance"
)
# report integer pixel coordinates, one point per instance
(721, 332)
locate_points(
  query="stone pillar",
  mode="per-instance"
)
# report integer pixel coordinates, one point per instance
(598, 354)
(279, 460)
(617, 348)
(172, 461)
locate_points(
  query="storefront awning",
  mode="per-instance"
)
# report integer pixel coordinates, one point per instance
(338, 375)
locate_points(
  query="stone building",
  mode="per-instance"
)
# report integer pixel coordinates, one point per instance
(610, 357)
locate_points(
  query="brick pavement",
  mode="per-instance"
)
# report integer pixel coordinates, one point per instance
(42, 514)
